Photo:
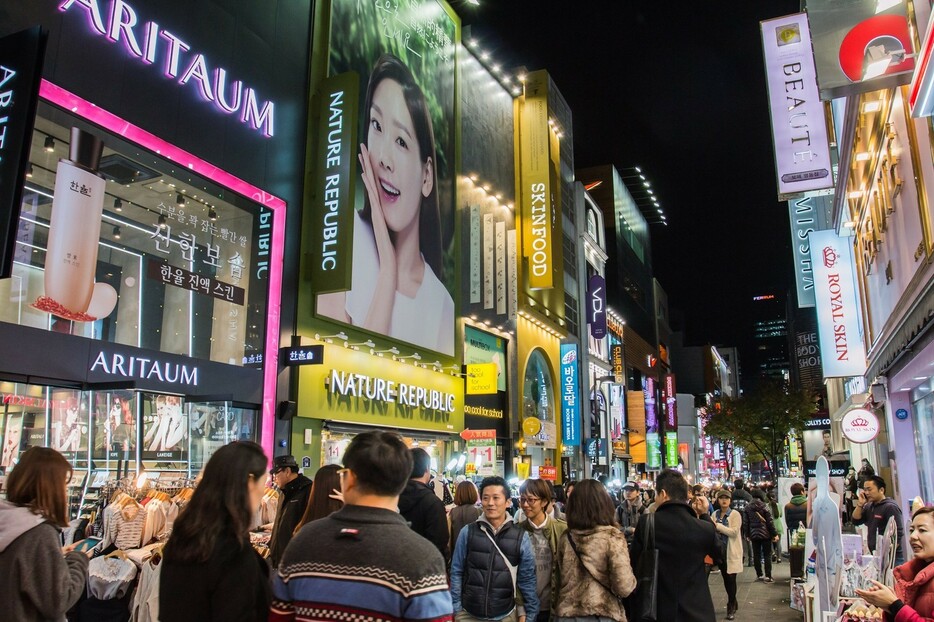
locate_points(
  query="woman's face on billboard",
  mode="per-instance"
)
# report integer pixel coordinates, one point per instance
(402, 178)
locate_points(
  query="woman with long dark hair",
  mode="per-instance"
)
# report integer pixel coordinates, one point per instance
(210, 571)
(38, 582)
(397, 286)
(325, 497)
(595, 568)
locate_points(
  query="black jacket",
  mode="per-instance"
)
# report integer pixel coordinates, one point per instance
(488, 590)
(795, 514)
(757, 521)
(682, 540)
(232, 586)
(292, 504)
(425, 512)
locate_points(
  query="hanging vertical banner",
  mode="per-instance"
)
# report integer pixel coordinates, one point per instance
(570, 403)
(21, 57)
(616, 359)
(799, 130)
(596, 306)
(536, 195)
(842, 351)
(336, 166)
(671, 403)
(805, 215)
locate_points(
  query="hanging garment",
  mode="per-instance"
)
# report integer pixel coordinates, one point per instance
(110, 577)
(146, 601)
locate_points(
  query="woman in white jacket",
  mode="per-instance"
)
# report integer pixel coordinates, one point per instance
(729, 525)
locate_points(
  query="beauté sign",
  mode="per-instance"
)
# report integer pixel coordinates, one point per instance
(150, 43)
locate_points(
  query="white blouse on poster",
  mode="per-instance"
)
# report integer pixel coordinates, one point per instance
(427, 320)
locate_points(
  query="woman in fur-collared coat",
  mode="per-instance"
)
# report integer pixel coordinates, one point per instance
(595, 569)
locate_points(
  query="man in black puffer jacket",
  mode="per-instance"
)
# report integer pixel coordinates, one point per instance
(760, 530)
(421, 507)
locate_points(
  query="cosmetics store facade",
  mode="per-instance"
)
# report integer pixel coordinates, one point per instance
(140, 327)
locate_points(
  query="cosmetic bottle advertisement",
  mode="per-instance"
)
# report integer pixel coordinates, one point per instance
(74, 233)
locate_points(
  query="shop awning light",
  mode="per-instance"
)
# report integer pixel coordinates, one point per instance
(29, 171)
(855, 194)
(116, 232)
(212, 214)
(356, 346)
(850, 224)
(393, 350)
(328, 338)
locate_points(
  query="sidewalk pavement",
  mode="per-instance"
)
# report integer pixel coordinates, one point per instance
(758, 601)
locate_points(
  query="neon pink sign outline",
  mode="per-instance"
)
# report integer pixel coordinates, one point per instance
(55, 94)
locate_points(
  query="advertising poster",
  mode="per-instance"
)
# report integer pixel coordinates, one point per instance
(165, 429)
(538, 398)
(11, 441)
(481, 453)
(403, 52)
(69, 425)
(114, 425)
(617, 412)
(491, 408)
(817, 443)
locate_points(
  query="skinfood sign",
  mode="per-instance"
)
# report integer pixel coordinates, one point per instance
(535, 155)
(361, 388)
(842, 351)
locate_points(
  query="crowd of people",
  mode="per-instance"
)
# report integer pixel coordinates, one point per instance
(372, 540)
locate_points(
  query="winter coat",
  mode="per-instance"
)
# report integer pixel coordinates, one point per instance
(876, 517)
(757, 521)
(915, 587)
(604, 554)
(733, 530)
(796, 511)
(481, 583)
(292, 504)
(425, 513)
(682, 540)
(233, 585)
(37, 582)
(554, 530)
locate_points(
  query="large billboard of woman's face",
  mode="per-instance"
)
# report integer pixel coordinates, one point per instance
(395, 237)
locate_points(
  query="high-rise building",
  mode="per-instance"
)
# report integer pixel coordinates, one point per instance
(770, 338)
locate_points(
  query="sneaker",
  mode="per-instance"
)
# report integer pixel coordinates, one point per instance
(759, 579)
(768, 580)
(731, 616)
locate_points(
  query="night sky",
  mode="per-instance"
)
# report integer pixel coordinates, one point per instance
(678, 89)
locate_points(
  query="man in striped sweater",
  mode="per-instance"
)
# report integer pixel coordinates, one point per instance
(363, 563)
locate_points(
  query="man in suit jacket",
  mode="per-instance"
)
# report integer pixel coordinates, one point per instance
(682, 540)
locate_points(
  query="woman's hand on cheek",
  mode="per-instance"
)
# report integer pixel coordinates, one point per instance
(379, 316)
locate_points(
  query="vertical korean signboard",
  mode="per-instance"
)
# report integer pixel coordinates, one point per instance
(21, 56)
(653, 457)
(841, 345)
(799, 131)
(570, 402)
(537, 192)
(670, 398)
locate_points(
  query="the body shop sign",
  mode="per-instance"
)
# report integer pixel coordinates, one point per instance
(570, 402)
(860, 425)
(842, 351)
(799, 132)
(364, 389)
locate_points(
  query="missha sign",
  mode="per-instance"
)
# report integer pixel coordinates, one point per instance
(860, 425)
(179, 60)
(799, 129)
(842, 351)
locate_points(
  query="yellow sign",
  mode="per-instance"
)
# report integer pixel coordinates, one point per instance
(482, 378)
(361, 388)
(522, 470)
(531, 426)
(536, 195)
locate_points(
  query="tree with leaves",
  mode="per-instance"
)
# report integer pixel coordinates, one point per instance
(760, 420)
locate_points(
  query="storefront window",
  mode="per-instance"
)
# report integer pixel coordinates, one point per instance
(923, 406)
(137, 251)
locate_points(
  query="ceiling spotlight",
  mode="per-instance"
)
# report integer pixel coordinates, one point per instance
(29, 170)
(49, 144)
(116, 232)
(638, 170)
(179, 199)
(474, 2)
(161, 221)
(118, 204)
(212, 213)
